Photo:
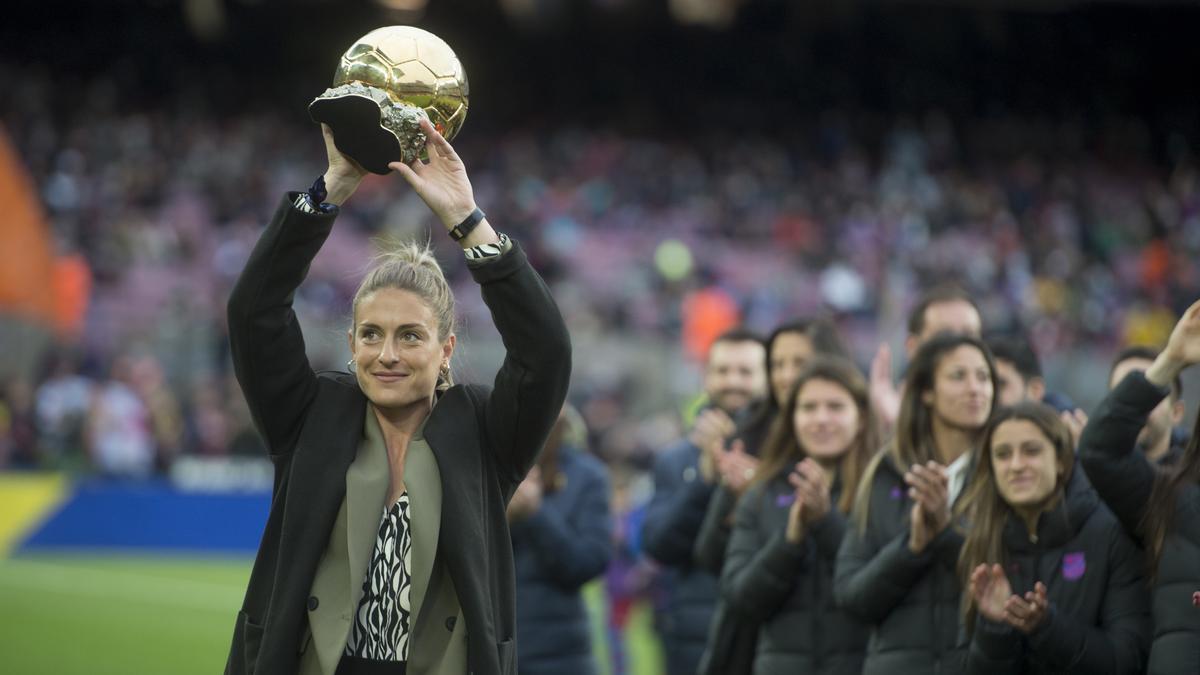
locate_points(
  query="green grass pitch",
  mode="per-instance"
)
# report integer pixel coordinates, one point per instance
(146, 615)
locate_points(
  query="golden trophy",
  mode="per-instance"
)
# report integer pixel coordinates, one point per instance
(385, 83)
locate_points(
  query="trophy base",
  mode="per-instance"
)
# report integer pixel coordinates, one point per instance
(368, 127)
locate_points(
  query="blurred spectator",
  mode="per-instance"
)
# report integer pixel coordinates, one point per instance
(18, 427)
(629, 579)
(208, 425)
(562, 539)
(119, 432)
(1018, 372)
(62, 402)
(163, 409)
(1158, 439)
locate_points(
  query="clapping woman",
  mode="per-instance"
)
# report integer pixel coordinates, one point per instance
(896, 566)
(788, 526)
(1054, 585)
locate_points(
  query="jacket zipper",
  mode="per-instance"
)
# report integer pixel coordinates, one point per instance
(936, 633)
(819, 573)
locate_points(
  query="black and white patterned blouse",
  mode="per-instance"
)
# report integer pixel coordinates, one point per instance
(382, 624)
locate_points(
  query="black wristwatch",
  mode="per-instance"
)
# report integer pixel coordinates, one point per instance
(458, 232)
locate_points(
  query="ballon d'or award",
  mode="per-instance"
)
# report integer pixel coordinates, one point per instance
(384, 84)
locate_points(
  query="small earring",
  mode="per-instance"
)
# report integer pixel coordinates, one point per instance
(445, 370)
(351, 365)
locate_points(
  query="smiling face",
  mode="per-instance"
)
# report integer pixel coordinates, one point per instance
(962, 391)
(396, 348)
(1024, 463)
(735, 374)
(826, 420)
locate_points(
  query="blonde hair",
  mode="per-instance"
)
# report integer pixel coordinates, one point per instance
(409, 266)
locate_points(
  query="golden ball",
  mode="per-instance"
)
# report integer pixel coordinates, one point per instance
(415, 67)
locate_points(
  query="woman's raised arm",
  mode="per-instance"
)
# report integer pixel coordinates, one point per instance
(532, 382)
(264, 335)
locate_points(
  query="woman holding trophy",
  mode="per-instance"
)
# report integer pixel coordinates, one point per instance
(387, 548)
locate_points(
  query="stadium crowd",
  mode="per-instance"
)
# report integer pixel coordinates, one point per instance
(1083, 239)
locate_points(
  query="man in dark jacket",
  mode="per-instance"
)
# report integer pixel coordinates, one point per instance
(1018, 371)
(1159, 439)
(1019, 378)
(684, 479)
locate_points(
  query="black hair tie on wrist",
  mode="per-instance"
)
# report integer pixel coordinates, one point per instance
(460, 231)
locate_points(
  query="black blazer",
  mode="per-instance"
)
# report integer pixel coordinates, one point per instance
(484, 439)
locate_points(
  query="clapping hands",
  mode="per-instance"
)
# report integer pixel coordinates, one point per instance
(812, 499)
(929, 488)
(736, 467)
(709, 432)
(996, 602)
(733, 467)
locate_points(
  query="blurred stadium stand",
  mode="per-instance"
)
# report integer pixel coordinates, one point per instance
(794, 158)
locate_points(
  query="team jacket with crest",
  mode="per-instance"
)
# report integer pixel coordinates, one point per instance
(1098, 621)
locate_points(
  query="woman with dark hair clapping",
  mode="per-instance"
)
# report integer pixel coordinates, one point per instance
(1054, 585)
(791, 347)
(896, 566)
(788, 526)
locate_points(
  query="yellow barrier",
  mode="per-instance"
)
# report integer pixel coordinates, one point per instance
(26, 500)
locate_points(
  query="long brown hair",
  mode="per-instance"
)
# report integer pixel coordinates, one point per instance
(913, 440)
(1160, 510)
(983, 509)
(783, 449)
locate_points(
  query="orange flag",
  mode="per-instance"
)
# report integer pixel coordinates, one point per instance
(26, 244)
